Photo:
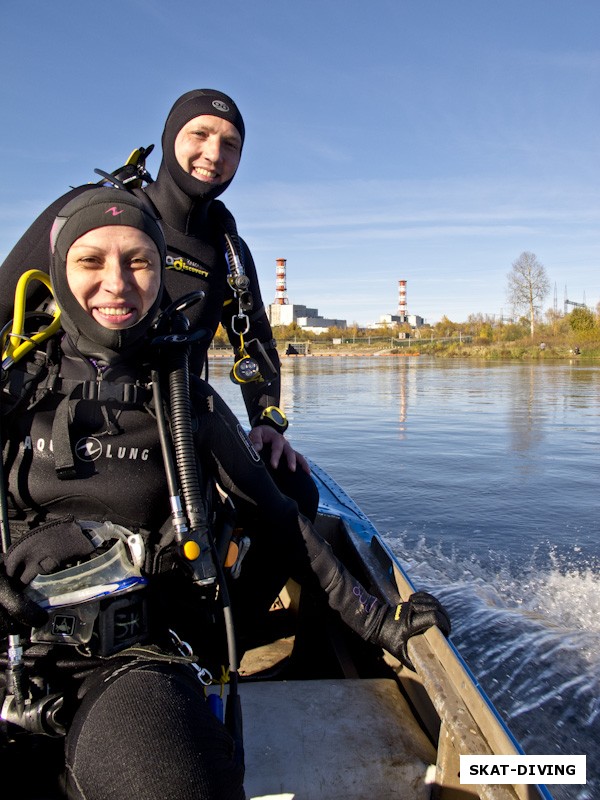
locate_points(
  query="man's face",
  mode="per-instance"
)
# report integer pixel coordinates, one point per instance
(209, 148)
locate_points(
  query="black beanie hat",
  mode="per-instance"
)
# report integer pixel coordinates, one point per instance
(189, 106)
(96, 208)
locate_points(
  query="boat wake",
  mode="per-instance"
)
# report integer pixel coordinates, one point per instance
(532, 639)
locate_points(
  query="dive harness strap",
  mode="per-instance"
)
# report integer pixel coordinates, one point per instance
(130, 394)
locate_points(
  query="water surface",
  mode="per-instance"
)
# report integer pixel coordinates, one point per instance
(483, 478)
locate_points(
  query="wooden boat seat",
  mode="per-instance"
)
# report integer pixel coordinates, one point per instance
(332, 740)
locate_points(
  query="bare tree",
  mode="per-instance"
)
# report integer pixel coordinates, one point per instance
(528, 285)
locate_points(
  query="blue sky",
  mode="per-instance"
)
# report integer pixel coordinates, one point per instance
(425, 140)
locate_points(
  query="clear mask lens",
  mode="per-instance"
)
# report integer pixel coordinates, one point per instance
(114, 572)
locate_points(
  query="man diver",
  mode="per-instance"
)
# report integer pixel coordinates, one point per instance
(202, 145)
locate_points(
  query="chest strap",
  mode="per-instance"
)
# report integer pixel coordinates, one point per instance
(129, 394)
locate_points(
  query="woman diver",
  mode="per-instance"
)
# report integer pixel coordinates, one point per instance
(90, 507)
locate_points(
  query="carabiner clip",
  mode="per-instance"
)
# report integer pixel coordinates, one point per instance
(246, 326)
(203, 675)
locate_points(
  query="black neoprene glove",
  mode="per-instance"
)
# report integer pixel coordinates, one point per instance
(420, 612)
(39, 552)
(17, 609)
(44, 549)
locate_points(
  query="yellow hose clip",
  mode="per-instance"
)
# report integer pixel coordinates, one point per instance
(17, 343)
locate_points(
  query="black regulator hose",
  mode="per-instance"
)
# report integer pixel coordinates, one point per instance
(176, 364)
(190, 523)
(183, 438)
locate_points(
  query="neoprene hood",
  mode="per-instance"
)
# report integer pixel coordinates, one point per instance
(97, 208)
(189, 106)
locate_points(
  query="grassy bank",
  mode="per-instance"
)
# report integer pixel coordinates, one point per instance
(520, 350)
(560, 337)
(546, 346)
(523, 351)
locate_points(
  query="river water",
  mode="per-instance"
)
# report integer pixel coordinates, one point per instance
(483, 478)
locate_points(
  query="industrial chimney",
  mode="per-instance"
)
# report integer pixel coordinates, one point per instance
(280, 294)
(402, 312)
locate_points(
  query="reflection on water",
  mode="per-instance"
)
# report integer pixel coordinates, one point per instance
(483, 477)
(472, 454)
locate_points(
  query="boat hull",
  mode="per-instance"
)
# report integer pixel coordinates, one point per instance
(366, 732)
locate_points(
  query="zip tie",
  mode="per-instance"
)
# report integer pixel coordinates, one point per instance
(224, 675)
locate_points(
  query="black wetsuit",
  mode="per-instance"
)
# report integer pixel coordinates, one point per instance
(83, 449)
(118, 475)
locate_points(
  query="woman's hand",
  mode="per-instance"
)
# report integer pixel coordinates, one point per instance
(15, 608)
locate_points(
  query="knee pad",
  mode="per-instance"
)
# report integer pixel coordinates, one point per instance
(147, 731)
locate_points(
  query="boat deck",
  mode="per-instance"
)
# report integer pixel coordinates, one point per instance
(335, 739)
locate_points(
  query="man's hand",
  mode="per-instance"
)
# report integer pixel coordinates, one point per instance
(263, 435)
(416, 615)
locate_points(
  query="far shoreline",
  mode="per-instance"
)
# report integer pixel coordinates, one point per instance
(489, 353)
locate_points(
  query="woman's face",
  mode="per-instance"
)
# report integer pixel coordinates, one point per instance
(114, 274)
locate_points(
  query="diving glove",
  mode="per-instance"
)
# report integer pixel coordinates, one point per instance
(17, 609)
(39, 552)
(419, 613)
(44, 549)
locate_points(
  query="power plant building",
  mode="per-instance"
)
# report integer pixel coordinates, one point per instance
(402, 317)
(395, 319)
(281, 312)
